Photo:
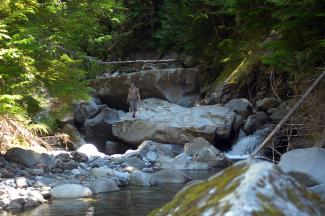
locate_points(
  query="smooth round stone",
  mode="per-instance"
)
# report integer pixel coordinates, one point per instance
(67, 191)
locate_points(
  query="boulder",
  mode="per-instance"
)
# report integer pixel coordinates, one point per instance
(171, 150)
(178, 85)
(240, 106)
(140, 178)
(246, 188)
(192, 147)
(99, 128)
(238, 122)
(30, 204)
(278, 113)
(135, 162)
(102, 172)
(202, 151)
(308, 161)
(267, 103)
(212, 157)
(67, 165)
(170, 176)
(74, 135)
(181, 162)
(79, 157)
(255, 122)
(85, 110)
(70, 191)
(164, 122)
(104, 184)
(29, 158)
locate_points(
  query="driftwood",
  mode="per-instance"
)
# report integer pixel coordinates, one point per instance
(27, 135)
(141, 61)
(119, 62)
(288, 115)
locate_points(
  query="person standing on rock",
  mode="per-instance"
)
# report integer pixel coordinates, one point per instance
(133, 98)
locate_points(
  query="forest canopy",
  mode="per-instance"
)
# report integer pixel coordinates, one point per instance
(43, 43)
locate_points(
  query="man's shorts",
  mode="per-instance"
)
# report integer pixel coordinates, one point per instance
(133, 105)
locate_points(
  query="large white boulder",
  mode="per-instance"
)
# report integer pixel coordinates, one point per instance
(178, 85)
(70, 191)
(164, 122)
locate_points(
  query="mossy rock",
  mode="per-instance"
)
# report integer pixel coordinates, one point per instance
(246, 188)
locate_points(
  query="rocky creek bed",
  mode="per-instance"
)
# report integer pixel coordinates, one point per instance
(150, 156)
(84, 180)
(29, 179)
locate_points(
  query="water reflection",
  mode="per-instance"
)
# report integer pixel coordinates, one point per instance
(129, 201)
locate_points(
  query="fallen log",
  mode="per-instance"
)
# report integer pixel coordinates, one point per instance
(141, 61)
(288, 115)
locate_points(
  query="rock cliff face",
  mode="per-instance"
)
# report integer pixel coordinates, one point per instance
(164, 122)
(177, 85)
(245, 189)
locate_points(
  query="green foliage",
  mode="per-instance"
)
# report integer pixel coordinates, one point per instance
(42, 46)
(221, 32)
(9, 105)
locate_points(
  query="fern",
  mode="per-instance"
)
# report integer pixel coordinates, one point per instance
(9, 106)
(38, 128)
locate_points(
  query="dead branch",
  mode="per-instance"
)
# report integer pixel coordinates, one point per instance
(289, 114)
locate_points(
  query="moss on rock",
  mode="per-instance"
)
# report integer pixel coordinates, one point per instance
(246, 188)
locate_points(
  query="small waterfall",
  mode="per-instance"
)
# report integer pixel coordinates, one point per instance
(247, 144)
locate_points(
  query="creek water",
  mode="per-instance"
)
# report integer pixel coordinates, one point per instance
(129, 201)
(246, 145)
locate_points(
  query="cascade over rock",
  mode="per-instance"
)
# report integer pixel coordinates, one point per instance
(164, 122)
(177, 85)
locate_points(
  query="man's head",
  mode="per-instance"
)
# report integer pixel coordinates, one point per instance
(132, 85)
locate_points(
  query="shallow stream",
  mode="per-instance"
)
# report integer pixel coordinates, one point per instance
(129, 201)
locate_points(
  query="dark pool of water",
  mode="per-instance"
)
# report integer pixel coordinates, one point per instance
(129, 201)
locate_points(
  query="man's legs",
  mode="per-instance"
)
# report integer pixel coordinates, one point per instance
(133, 106)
